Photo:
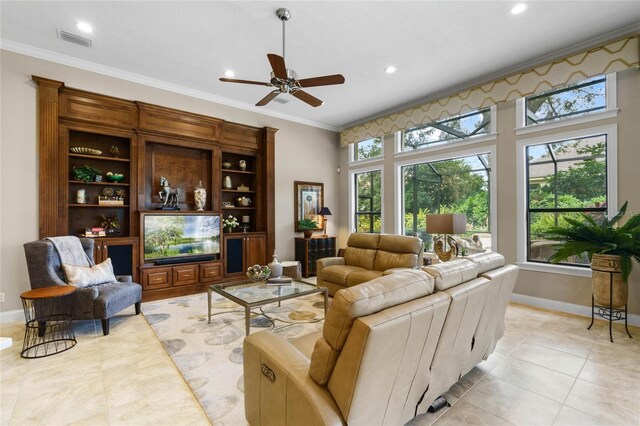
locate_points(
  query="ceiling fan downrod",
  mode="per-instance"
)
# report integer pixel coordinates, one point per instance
(284, 15)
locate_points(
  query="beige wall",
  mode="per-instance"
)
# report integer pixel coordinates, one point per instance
(302, 153)
(563, 288)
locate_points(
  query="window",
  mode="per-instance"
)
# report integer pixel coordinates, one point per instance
(577, 99)
(368, 201)
(368, 149)
(563, 175)
(454, 185)
(454, 128)
(564, 179)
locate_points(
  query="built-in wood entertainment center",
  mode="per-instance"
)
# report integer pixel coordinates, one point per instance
(145, 142)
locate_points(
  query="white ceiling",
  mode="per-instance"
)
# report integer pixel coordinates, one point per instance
(436, 45)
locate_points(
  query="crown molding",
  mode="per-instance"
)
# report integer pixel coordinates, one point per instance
(522, 66)
(47, 55)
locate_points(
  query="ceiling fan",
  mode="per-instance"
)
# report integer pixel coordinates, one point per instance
(284, 79)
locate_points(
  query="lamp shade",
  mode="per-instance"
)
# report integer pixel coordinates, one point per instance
(446, 223)
(324, 211)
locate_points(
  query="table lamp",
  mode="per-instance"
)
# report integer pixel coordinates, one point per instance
(324, 212)
(444, 225)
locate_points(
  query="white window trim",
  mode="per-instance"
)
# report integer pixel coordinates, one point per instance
(491, 136)
(352, 201)
(611, 131)
(493, 199)
(352, 154)
(611, 111)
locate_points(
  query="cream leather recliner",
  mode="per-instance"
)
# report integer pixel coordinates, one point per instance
(368, 256)
(388, 348)
(369, 366)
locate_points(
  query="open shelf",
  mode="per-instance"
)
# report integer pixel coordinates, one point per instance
(237, 191)
(240, 172)
(99, 206)
(99, 157)
(81, 182)
(238, 208)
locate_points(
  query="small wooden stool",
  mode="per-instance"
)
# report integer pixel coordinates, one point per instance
(292, 269)
(48, 314)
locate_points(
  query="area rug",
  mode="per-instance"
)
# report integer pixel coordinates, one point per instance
(209, 356)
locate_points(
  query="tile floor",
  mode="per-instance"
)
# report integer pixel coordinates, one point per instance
(547, 369)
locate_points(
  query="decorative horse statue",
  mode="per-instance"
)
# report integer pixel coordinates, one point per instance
(168, 196)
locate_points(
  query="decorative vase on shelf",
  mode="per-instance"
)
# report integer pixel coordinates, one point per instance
(226, 165)
(200, 196)
(243, 166)
(275, 266)
(227, 182)
(228, 229)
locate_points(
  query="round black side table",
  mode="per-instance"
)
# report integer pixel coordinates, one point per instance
(49, 328)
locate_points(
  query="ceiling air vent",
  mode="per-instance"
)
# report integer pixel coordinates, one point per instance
(73, 38)
(281, 100)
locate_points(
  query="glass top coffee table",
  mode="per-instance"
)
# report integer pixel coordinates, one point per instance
(254, 295)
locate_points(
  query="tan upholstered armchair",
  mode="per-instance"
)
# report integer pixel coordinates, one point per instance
(369, 256)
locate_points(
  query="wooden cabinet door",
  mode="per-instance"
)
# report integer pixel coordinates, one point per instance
(154, 278)
(123, 253)
(185, 275)
(254, 250)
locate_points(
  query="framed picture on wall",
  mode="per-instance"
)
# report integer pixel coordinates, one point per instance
(308, 201)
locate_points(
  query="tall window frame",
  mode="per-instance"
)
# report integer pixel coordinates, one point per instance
(611, 132)
(353, 202)
(492, 184)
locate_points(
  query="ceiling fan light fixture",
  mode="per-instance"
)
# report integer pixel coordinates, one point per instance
(229, 73)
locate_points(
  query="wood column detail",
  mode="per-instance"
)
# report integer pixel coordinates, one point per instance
(48, 154)
(269, 187)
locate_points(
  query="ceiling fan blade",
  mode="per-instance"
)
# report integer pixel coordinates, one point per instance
(234, 80)
(268, 98)
(305, 97)
(326, 80)
(278, 66)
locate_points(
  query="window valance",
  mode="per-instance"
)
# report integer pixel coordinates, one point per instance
(614, 56)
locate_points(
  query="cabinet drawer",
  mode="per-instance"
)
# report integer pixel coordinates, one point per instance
(156, 278)
(185, 275)
(210, 272)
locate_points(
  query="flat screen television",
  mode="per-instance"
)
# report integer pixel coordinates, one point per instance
(173, 238)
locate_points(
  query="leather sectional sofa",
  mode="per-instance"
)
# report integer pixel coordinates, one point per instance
(368, 256)
(389, 347)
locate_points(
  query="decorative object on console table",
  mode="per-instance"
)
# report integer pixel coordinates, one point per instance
(307, 203)
(309, 250)
(324, 212)
(168, 195)
(200, 196)
(444, 225)
(307, 226)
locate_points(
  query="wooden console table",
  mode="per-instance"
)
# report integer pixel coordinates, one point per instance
(309, 250)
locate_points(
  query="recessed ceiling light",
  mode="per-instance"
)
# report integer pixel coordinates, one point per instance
(229, 73)
(390, 69)
(518, 8)
(84, 27)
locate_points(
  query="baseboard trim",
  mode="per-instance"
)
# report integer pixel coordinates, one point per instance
(569, 308)
(11, 316)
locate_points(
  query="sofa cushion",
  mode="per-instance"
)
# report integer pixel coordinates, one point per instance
(449, 274)
(400, 243)
(361, 240)
(85, 276)
(388, 260)
(338, 273)
(362, 276)
(487, 261)
(362, 257)
(358, 301)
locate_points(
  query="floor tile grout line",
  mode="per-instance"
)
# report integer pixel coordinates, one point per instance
(480, 408)
(529, 390)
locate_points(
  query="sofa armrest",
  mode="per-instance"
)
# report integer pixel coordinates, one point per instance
(278, 388)
(328, 261)
(124, 278)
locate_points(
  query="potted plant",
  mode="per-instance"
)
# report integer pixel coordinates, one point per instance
(85, 173)
(307, 226)
(110, 224)
(229, 223)
(610, 248)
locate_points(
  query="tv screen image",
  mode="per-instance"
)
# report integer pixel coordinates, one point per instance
(182, 235)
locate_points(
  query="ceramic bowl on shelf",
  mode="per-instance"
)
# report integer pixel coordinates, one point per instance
(85, 151)
(115, 177)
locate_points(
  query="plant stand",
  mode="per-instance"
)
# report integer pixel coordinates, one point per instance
(608, 312)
